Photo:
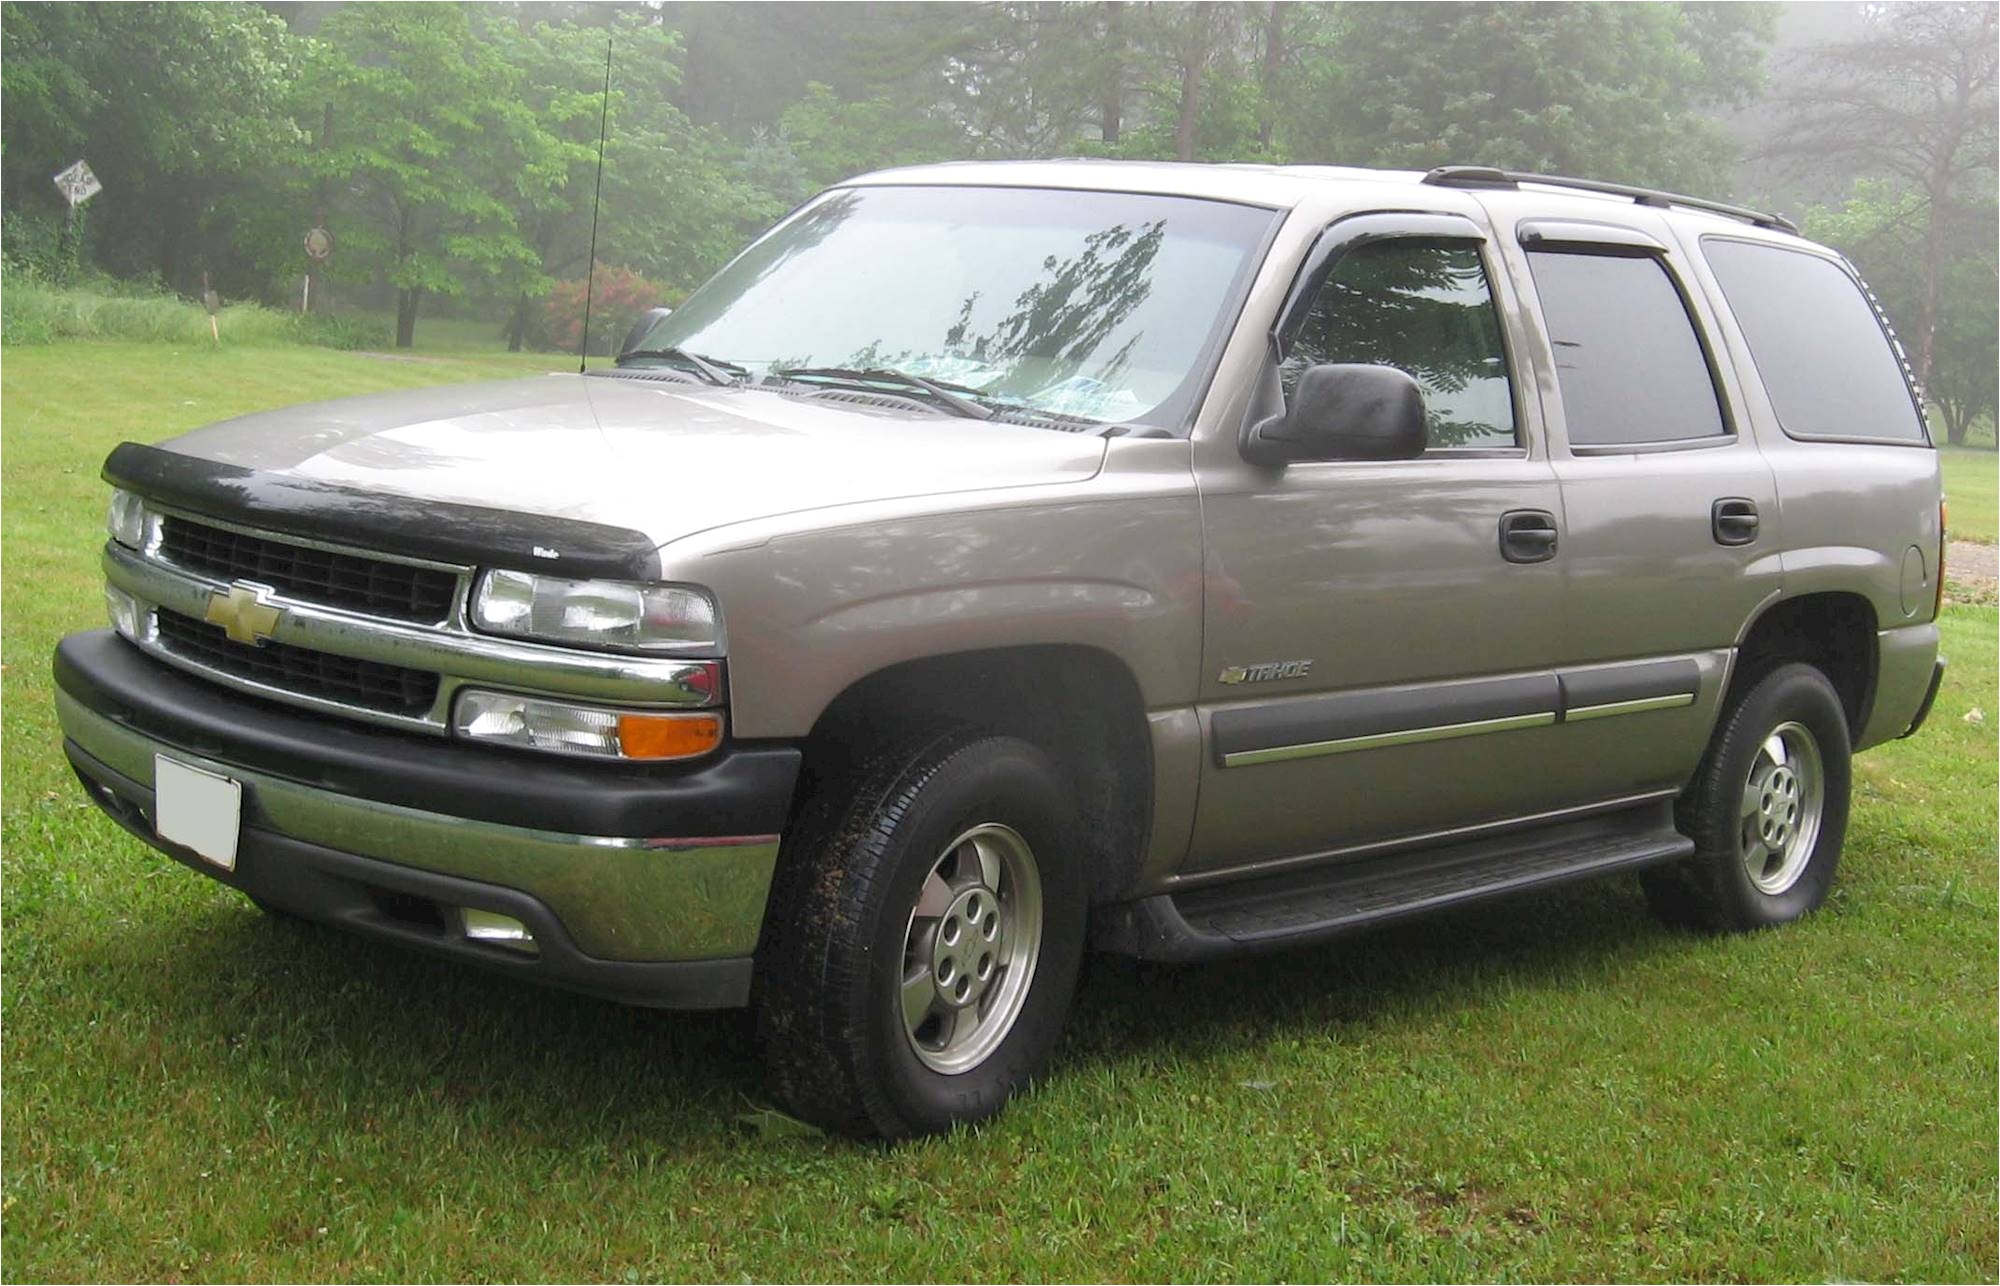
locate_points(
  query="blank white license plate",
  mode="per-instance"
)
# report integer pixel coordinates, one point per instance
(198, 810)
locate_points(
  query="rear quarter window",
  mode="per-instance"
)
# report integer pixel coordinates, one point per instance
(1819, 347)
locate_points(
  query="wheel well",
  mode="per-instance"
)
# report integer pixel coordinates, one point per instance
(1079, 704)
(1833, 632)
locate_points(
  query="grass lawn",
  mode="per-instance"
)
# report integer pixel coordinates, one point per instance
(467, 335)
(1972, 486)
(1556, 1090)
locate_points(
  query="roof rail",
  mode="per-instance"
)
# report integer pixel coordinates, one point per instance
(1483, 176)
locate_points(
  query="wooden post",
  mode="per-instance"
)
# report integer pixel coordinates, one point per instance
(213, 302)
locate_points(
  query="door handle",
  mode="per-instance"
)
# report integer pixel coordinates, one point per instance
(1733, 519)
(1527, 535)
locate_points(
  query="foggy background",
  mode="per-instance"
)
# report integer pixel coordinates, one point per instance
(451, 150)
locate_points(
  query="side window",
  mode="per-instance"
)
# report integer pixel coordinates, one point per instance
(1423, 307)
(1628, 362)
(1819, 348)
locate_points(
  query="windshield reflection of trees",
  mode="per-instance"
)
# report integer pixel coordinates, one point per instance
(1421, 309)
(1056, 329)
(1059, 323)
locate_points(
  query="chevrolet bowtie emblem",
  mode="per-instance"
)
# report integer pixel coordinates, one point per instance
(243, 613)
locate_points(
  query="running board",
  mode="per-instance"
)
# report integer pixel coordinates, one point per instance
(1305, 907)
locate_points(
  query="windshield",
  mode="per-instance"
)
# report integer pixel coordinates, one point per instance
(1093, 304)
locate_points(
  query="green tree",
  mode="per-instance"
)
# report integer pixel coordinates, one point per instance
(1010, 79)
(675, 202)
(560, 70)
(741, 63)
(1606, 90)
(178, 107)
(1965, 351)
(433, 151)
(1621, 91)
(1196, 38)
(1025, 80)
(453, 147)
(1913, 102)
(833, 139)
(1178, 74)
(677, 199)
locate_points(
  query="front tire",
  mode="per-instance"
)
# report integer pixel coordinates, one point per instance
(1767, 810)
(923, 938)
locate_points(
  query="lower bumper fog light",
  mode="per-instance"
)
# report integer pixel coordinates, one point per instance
(498, 930)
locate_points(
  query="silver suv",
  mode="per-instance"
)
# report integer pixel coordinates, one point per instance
(998, 560)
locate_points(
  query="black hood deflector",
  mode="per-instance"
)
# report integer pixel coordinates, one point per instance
(443, 531)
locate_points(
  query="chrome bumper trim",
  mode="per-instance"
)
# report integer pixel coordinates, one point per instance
(457, 655)
(620, 897)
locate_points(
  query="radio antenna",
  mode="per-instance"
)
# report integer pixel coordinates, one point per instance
(596, 202)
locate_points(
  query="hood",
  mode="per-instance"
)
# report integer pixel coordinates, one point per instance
(664, 459)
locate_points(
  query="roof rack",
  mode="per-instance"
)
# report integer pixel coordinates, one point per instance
(1483, 176)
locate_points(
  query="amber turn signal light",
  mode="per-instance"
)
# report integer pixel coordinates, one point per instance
(1944, 543)
(668, 736)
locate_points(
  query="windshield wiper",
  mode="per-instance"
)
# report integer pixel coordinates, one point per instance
(952, 397)
(708, 369)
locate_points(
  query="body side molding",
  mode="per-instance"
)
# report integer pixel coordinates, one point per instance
(1345, 722)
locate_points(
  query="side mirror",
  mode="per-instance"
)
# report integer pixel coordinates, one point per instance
(1343, 412)
(640, 327)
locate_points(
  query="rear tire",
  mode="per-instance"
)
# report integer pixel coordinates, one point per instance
(1767, 810)
(923, 938)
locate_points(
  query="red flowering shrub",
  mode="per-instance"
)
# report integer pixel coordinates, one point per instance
(621, 296)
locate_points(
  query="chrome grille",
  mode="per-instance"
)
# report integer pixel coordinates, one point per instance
(371, 685)
(359, 634)
(400, 591)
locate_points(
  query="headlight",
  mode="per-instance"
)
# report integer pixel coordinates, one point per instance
(538, 723)
(597, 613)
(126, 520)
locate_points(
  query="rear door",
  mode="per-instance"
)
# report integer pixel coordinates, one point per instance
(1671, 543)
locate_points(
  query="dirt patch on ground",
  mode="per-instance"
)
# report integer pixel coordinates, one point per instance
(1972, 573)
(1979, 562)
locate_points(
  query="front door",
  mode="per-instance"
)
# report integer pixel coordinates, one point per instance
(1378, 634)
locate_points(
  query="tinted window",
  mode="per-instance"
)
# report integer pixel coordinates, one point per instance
(1627, 360)
(1422, 307)
(1819, 348)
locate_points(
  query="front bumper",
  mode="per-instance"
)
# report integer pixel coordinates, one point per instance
(645, 884)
